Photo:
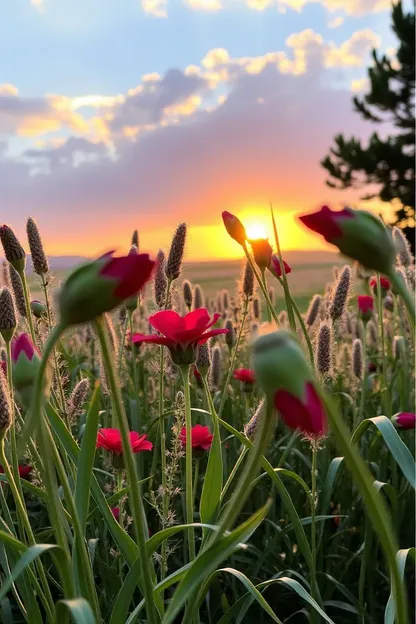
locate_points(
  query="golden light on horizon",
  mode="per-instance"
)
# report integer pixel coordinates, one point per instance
(256, 230)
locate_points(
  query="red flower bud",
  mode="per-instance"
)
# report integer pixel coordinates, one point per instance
(116, 513)
(275, 266)
(305, 413)
(26, 360)
(404, 420)
(247, 378)
(234, 227)
(365, 307)
(384, 283)
(262, 252)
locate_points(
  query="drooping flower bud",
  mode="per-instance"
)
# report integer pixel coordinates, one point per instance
(283, 373)
(262, 252)
(234, 227)
(404, 420)
(13, 250)
(7, 315)
(39, 259)
(38, 309)
(358, 234)
(365, 307)
(26, 360)
(102, 285)
(275, 267)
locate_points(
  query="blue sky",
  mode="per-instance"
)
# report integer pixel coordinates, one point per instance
(175, 109)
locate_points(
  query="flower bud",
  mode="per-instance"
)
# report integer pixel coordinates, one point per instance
(38, 309)
(262, 252)
(276, 268)
(384, 283)
(234, 227)
(26, 360)
(404, 420)
(365, 307)
(358, 234)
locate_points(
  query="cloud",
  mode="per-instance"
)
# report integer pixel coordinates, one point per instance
(157, 8)
(336, 22)
(353, 51)
(359, 85)
(38, 4)
(8, 89)
(204, 5)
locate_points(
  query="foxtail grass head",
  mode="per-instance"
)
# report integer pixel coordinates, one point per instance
(7, 315)
(17, 288)
(160, 283)
(135, 239)
(324, 356)
(313, 310)
(247, 288)
(187, 294)
(39, 259)
(198, 297)
(13, 250)
(340, 294)
(177, 249)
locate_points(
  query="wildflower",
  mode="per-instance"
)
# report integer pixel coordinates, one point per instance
(404, 420)
(181, 334)
(110, 439)
(262, 252)
(13, 250)
(358, 234)
(372, 367)
(26, 360)
(101, 285)
(234, 227)
(24, 471)
(38, 309)
(340, 293)
(247, 378)
(39, 259)
(116, 513)
(384, 283)
(313, 309)
(174, 261)
(7, 315)
(201, 437)
(282, 371)
(187, 294)
(365, 307)
(276, 268)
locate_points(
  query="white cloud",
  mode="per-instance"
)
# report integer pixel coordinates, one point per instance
(8, 89)
(359, 85)
(157, 8)
(354, 51)
(204, 5)
(336, 22)
(38, 4)
(215, 57)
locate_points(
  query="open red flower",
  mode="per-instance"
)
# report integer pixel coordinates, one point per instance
(245, 375)
(405, 420)
(181, 334)
(276, 268)
(365, 307)
(110, 439)
(24, 471)
(201, 437)
(307, 414)
(384, 283)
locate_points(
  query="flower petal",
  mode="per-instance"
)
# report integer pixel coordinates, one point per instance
(212, 332)
(131, 273)
(167, 322)
(160, 340)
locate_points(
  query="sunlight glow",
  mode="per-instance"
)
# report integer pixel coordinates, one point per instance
(256, 230)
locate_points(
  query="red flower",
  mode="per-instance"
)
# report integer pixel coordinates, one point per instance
(24, 471)
(116, 513)
(23, 344)
(384, 282)
(275, 266)
(405, 420)
(110, 439)
(307, 415)
(262, 252)
(365, 306)
(245, 375)
(200, 436)
(372, 367)
(234, 227)
(181, 334)
(327, 222)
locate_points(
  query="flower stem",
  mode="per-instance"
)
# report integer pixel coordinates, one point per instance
(260, 282)
(138, 513)
(314, 494)
(188, 462)
(364, 380)
(289, 300)
(233, 472)
(404, 293)
(303, 327)
(386, 393)
(22, 275)
(233, 357)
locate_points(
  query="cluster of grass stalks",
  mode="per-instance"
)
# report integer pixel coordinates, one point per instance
(253, 521)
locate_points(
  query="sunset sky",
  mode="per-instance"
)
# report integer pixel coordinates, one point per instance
(121, 114)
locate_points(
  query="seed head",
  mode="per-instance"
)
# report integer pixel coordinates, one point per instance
(203, 361)
(388, 303)
(272, 295)
(216, 366)
(39, 259)
(13, 250)
(7, 315)
(340, 294)
(248, 282)
(230, 336)
(160, 282)
(174, 261)
(283, 319)
(250, 428)
(198, 297)
(256, 309)
(399, 347)
(135, 239)
(17, 287)
(218, 302)
(225, 300)
(404, 254)
(324, 355)
(187, 294)
(357, 358)
(5, 411)
(5, 276)
(372, 333)
(313, 310)
(108, 320)
(78, 397)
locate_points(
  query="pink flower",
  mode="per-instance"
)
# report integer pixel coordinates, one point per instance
(275, 266)
(306, 414)
(110, 439)
(404, 420)
(200, 436)
(22, 344)
(245, 375)
(365, 307)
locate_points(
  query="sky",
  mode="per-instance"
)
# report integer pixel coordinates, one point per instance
(124, 114)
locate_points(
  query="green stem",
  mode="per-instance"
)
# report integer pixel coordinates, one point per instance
(368, 542)
(122, 344)
(138, 513)
(288, 298)
(196, 477)
(404, 293)
(234, 356)
(364, 380)
(233, 472)
(188, 462)
(22, 275)
(303, 327)
(263, 289)
(314, 494)
(386, 393)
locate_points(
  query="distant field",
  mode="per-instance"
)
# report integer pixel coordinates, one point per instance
(310, 272)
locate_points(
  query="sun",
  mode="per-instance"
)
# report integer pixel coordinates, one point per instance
(255, 230)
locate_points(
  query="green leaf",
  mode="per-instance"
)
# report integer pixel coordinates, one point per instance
(78, 608)
(213, 479)
(390, 612)
(207, 562)
(86, 458)
(326, 495)
(394, 443)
